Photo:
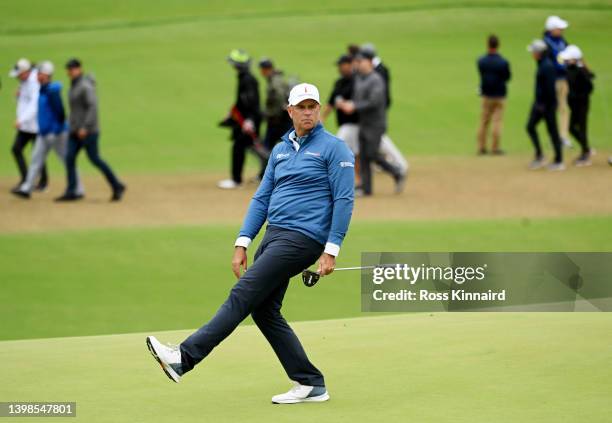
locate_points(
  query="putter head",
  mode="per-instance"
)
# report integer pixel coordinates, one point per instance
(310, 278)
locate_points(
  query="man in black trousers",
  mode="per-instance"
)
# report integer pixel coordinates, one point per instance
(544, 107)
(580, 80)
(306, 196)
(244, 118)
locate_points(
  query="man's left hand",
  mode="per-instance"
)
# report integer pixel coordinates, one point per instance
(327, 263)
(82, 133)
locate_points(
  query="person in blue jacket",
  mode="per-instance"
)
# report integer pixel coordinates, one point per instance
(556, 43)
(544, 108)
(52, 129)
(306, 196)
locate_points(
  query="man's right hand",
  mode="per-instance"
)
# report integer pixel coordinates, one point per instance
(239, 261)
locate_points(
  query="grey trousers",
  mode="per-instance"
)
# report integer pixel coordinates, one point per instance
(282, 254)
(42, 147)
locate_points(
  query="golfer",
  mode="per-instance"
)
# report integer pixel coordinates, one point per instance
(306, 196)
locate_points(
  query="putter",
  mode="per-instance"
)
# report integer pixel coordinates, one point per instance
(311, 278)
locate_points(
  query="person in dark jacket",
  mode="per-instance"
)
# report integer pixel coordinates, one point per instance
(277, 119)
(494, 75)
(85, 131)
(381, 69)
(244, 119)
(370, 102)
(580, 82)
(544, 107)
(348, 124)
(556, 43)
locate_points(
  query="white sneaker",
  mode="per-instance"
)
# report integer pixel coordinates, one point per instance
(537, 163)
(556, 167)
(169, 357)
(302, 393)
(228, 184)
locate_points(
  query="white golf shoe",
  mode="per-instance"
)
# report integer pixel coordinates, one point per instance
(228, 184)
(302, 393)
(169, 358)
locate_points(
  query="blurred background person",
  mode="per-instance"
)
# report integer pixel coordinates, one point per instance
(85, 132)
(26, 123)
(382, 70)
(51, 119)
(555, 43)
(275, 111)
(369, 101)
(244, 119)
(580, 80)
(544, 107)
(494, 75)
(348, 124)
(387, 147)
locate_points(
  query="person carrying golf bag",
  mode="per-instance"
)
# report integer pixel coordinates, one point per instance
(244, 119)
(307, 198)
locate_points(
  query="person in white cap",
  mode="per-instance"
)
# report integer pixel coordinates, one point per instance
(556, 43)
(26, 122)
(306, 195)
(579, 77)
(52, 128)
(544, 107)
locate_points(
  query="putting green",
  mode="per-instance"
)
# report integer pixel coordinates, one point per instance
(513, 367)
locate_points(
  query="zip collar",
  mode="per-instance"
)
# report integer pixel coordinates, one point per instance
(318, 128)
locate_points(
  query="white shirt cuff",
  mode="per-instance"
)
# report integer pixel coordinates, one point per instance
(243, 241)
(332, 249)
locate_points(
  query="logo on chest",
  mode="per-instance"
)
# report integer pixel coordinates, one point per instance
(310, 153)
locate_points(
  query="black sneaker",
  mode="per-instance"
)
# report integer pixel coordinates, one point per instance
(69, 197)
(118, 193)
(583, 160)
(41, 187)
(498, 152)
(21, 194)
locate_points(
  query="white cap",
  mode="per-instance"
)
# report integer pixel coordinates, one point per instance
(303, 92)
(571, 52)
(46, 67)
(555, 22)
(537, 46)
(22, 65)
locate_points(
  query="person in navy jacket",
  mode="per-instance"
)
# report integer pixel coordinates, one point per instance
(306, 196)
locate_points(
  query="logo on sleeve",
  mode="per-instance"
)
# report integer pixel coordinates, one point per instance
(346, 164)
(282, 156)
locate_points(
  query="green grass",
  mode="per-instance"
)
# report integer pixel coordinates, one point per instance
(117, 281)
(461, 367)
(164, 84)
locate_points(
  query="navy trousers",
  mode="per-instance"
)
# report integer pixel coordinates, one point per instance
(282, 254)
(90, 143)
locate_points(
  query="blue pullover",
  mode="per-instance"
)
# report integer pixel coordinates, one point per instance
(555, 46)
(310, 190)
(51, 114)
